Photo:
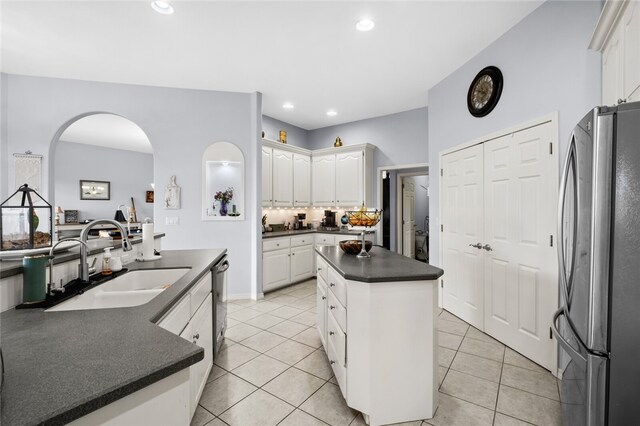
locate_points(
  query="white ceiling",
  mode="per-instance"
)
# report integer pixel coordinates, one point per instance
(305, 52)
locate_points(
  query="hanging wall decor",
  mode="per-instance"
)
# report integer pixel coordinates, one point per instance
(172, 195)
(28, 169)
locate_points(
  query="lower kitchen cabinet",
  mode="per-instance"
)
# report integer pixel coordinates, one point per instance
(383, 352)
(192, 319)
(286, 261)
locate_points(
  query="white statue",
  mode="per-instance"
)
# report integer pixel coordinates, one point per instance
(172, 194)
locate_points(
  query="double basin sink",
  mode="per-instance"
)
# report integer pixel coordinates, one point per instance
(132, 288)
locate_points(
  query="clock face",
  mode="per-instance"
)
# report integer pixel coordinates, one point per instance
(484, 92)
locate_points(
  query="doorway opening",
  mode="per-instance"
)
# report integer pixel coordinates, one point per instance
(404, 197)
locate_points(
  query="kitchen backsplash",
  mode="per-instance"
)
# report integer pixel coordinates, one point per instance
(285, 214)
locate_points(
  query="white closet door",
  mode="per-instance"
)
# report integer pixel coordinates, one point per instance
(462, 219)
(519, 220)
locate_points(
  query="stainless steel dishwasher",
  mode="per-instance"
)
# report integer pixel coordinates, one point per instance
(220, 308)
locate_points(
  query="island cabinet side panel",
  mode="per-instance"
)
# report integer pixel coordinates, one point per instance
(392, 370)
(165, 402)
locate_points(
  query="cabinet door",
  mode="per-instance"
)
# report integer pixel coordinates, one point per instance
(321, 308)
(301, 263)
(282, 178)
(323, 180)
(631, 46)
(612, 69)
(201, 335)
(301, 180)
(275, 269)
(349, 179)
(267, 169)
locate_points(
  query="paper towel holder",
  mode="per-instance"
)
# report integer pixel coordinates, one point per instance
(148, 252)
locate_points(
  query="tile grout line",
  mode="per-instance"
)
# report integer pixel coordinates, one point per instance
(495, 409)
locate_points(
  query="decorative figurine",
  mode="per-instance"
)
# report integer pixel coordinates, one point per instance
(283, 136)
(172, 194)
(338, 142)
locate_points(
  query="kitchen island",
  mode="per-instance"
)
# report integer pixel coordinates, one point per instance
(377, 319)
(62, 366)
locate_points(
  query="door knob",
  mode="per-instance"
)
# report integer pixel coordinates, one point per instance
(476, 245)
(487, 247)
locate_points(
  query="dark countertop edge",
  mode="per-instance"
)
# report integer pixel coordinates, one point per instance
(348, 276)
(277, 234)
(64, 256)
(114, 395)
(99, 400)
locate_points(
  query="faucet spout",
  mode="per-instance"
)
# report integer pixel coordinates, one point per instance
(83, 268)
(52, 288)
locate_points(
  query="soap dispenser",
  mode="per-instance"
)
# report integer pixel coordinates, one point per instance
(106, 262)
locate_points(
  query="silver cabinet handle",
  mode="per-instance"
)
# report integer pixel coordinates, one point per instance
(332, 307)
(331, 333)
(196, 336)
(621, 101)
(293, 254)
(324, 297)
(476, 245)
(332, 284)
(487, 247)
(319, 269)
(331, 362)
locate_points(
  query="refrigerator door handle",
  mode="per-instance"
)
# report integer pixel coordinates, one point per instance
(569, 167)
(574, 354)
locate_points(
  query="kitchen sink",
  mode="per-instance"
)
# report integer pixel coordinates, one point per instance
(133, 288)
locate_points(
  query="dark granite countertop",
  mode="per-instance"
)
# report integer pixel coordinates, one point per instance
(382, 266)
(266, 235)
(60, 366)
(14, 267)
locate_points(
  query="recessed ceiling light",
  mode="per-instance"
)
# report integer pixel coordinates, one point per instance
(162, 6)
(332, 113)
(365, 25)
(287, 105)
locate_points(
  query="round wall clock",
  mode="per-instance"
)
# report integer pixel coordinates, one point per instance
(485, 91)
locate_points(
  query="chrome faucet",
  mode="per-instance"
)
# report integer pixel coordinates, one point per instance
(83, 268)
(127, 214)
(51, 287)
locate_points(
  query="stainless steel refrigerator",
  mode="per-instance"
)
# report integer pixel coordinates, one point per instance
(598, 324)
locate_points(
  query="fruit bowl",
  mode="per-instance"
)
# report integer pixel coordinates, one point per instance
(364, 217)
(355, 246)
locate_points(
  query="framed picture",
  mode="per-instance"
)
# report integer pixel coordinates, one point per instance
(149, 196)
(71, 216)
(95, 190)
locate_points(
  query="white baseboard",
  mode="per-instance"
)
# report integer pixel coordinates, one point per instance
(242, 296)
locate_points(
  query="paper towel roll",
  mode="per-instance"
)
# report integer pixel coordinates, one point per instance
(147, 240)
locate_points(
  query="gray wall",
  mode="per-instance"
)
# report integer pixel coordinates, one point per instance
(296, 136)
(546, 68)
(129, 172)
(180, 125)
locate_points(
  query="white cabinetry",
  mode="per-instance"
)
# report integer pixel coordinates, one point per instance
(324, 180)
(192, 319)
(301, 180)
(386, 385)
(617, 36)
(282, 178)
(349, 179)
(286, 260)
(267, 176)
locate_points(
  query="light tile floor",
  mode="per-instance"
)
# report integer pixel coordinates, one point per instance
(272, 371)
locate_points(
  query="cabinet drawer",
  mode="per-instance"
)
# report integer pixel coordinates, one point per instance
(199, 292)
(338, 311)
(275, 244)
(322, 268)
(325, 239)
(178, 317)
(302, 240)
(338, 286)
(339, 339)
(339, 370)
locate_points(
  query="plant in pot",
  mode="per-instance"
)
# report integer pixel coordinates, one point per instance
(224, 197)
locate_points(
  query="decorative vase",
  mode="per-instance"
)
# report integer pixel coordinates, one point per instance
(223, 208)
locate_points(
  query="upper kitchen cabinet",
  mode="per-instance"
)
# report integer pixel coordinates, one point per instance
(301, 180)
(282, 178)
(343, 177)
(267, 176)
(331, 177)
(324, 178)
(617, 36)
